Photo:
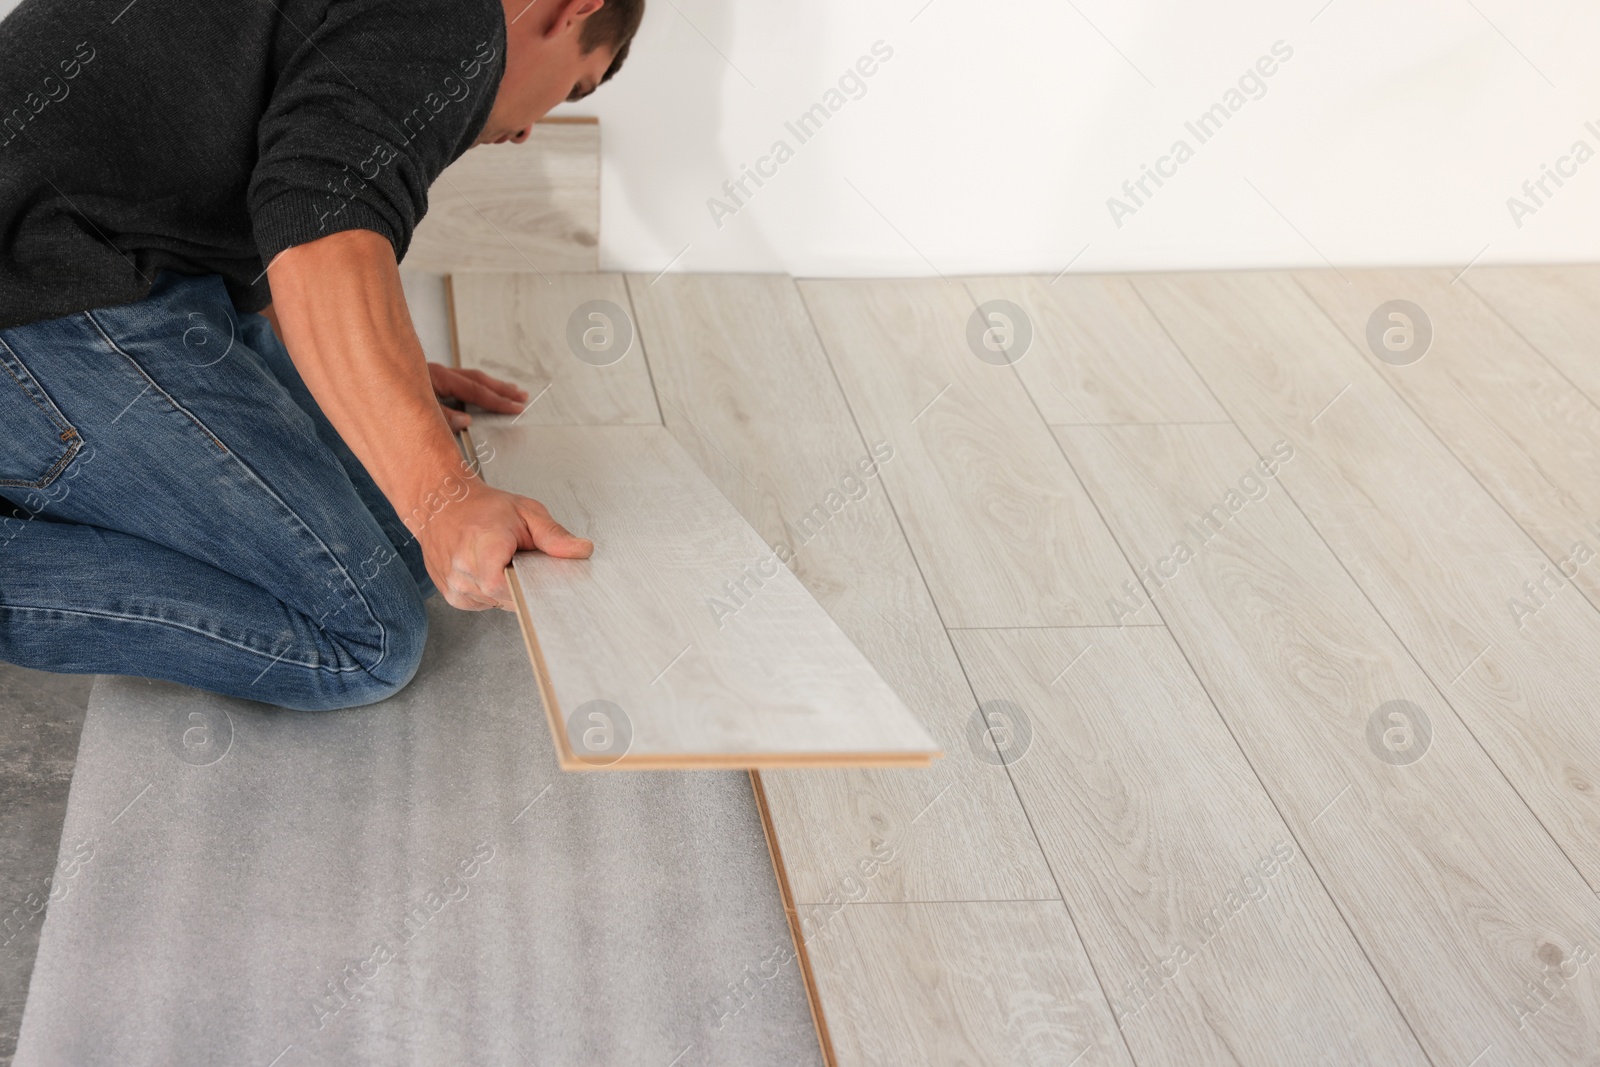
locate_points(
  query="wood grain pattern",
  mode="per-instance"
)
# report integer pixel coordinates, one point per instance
(1454, 891)
(509, 207)
(995, 984)
(516, 326)
(1508, 415)
(1556, 308)
(1097, 354)
(1003, 532)
(683, 619)
(775, 436)
(1437, 556)
(1203, 919)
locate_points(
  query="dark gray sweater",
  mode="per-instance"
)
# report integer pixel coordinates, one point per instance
(206, 136)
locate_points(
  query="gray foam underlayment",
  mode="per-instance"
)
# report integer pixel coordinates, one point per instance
(225, 865)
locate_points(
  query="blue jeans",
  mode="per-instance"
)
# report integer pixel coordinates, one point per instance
(181, 509)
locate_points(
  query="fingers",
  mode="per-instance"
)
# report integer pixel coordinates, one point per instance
(458, 420)
(476, 387)
(504, 388)
(474, 551)
(479, 586)
(467, 601)
(549, 536)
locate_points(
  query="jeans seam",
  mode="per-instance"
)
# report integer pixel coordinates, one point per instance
(383, 631)
(56, 419)
(122, 617)
(142, 373)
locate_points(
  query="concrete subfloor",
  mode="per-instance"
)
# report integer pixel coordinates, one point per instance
(41, 716)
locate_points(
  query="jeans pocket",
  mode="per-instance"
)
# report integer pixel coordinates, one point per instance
(36, 440)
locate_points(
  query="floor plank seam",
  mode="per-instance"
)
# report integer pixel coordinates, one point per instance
(644, 349)
(861, 438)
(1066, 900)
(1416, 661)
(1460, 461)
(1216, 710)
(1441, 690)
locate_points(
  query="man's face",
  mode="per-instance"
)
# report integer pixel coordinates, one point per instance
(545, 65)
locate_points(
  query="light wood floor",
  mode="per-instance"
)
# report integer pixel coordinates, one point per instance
(1285, 642)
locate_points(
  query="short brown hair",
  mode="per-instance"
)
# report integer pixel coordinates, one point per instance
(614, 24)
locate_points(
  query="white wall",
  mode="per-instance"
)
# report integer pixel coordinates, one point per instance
(994, 136)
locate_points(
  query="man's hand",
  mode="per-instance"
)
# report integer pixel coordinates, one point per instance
(473, 534)
(341, 313)
(474, 387)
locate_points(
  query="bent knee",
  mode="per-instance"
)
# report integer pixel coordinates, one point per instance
(368, 681)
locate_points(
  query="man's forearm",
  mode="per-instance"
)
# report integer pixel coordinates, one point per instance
(339, 309)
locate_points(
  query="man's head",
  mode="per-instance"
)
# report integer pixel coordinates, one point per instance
(556, 50)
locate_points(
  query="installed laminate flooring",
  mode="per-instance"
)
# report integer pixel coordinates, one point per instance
(1004, 534)
(999, 983)
(1437, 905)
(1438, 556)
(568, 339)
(531, 207)
(1212, 899)
(1556, 309)
(1296, 784)
(1095, 354)
(1373, 773)
(1505, 411)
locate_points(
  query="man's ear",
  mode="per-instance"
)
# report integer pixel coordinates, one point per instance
(572, 15)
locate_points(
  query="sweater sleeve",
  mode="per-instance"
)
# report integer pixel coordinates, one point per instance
(373, 104)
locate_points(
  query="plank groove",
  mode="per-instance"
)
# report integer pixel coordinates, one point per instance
(1300, 665)
(1556, 308)
(1004, 534)
(1216, 893)
(1097, 354)
(1508, 415)
(1437, 556)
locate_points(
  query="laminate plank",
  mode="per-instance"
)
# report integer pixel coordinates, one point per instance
(775, 436)
(533, 206)
(998, 983)
(1557, 308)
(428, 301)
(1456, 894)
(684, 624)
(1121, 747)
(1436, 555)
(568, 339)
(411, 882)
(1004, 534)
(1508, 415)
(1097, 355)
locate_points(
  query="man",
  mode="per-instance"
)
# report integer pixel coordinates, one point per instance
(225, 457)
